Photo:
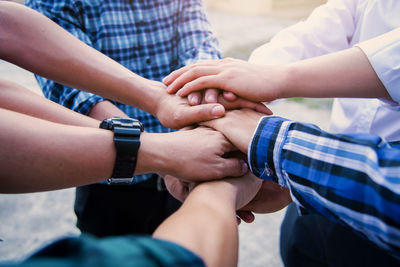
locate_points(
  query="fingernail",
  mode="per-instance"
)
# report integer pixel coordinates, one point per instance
(179, 93)
(194, 100)
(211, 99)
(166, 79)
(245, 167)
(218, 111)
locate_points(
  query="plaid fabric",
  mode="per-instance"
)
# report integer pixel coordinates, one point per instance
(112, 251)
(351, 178)
(151, 38)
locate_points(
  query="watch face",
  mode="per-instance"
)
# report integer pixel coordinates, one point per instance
(122, 122)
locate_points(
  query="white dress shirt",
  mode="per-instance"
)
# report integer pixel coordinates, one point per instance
(342, 24)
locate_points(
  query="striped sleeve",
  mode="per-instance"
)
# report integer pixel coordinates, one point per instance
(353, 179)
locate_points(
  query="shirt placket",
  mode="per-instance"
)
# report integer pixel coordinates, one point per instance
(144, 59)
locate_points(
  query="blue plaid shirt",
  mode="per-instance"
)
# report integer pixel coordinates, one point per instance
(152, 38)
(353, 179)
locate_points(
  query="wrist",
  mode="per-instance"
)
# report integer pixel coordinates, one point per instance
(159, 97)
(151, 156)
(286, 75)
(219, 197)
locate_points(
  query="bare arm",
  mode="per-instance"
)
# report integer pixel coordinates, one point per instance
(34, 42)
(19, 99)
(39, 155)
(43, 154)
(216, 240)
(347, 73)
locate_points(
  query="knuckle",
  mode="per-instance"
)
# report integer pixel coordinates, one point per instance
(218, 172)
(177, 117)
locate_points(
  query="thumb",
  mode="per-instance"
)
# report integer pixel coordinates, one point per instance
(204, 112)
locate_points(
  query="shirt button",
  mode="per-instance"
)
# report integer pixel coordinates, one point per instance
(268, 172)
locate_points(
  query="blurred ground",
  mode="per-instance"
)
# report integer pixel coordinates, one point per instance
(30, 220)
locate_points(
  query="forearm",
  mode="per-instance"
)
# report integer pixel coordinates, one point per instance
(346, 73)
(206, 225)
(16, 98)
(104, 110)
(24, 41)
(49, 156)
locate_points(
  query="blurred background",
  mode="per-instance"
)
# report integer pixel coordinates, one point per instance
(29, 221)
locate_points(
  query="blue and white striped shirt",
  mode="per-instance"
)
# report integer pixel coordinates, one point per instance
(151, 38)
(353, 179)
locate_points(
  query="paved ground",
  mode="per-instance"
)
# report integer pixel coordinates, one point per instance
(30, 220)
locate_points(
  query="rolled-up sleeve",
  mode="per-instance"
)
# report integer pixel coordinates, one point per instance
(383, 53)
(328, 29)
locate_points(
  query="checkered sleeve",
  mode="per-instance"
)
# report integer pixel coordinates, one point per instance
(353, 179)
(67, 15)
(196, 39)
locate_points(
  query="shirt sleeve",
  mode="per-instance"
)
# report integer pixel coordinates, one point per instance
(68, 16)
(113, 251)
(383, 53)
(353, 179)
(328, 29)
(196, 39)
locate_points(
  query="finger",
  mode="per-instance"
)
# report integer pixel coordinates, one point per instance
(191, 75)
(187, 128)
(233, 167)
(175, 74)
(211, 95)
(246, 216)
(227, 146)
(194, 98)
(244, 103)
(263, 109)
(195, 114)
(229, 96)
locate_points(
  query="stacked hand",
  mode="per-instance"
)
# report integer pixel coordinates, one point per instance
(238, 126)
(177, 112)
(240, 88)
(249, 81)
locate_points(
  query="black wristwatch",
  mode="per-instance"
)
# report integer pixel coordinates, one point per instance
(127, 142)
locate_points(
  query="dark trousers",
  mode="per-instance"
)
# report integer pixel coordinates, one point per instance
(312, 240)
(109, 210)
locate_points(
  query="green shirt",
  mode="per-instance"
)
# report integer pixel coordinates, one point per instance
(112, 251)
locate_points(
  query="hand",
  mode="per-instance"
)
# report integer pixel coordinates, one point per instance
(270, 198)
(175, 112)
(195, 155)
(244, 188)
(228, 100)
(238, 126)
(176, 187)
(250, 81)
